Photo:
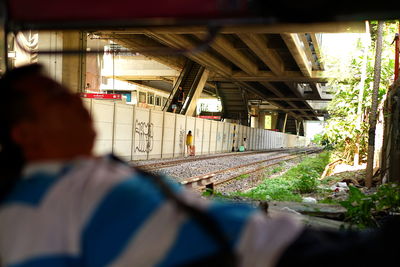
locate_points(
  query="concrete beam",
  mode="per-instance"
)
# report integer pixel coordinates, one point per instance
(203, 58)
(277, 92)
(258, 44)
(269, 76)
(317, 48)
(301, 53)
(323, 27)
(227, 50)
(137, 43)
(295, 99)
(263, 95)
(307, 50)
(296, 49)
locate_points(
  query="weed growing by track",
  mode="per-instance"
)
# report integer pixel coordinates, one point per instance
(300, 179)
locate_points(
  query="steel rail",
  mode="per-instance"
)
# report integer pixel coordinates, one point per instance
(161, 165)
(206, 180)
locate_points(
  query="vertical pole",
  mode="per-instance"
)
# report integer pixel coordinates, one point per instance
(113, 126)
(162, 135)
(396, 58)
(148, 132)
(3, 36)
(174, 144)
(374, 107)
(133, 132)
(284, 123)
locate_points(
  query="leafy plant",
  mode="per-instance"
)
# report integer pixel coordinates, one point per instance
(363, 210)
(302, 178)
(307, 182)
(359, 208)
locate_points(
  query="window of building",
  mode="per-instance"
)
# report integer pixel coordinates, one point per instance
(142, 97)
(158, 100)
(150, 99)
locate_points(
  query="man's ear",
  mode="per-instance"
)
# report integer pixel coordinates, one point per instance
(21, 133)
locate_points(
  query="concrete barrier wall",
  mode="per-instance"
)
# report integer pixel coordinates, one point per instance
(134, 133)
(213, 137)
(180, 136)
(123, 127)
(225, 137)
(103, 120)
(198, 137)
(220, 134)
(168, 135)
(157, 124)
(206, 137)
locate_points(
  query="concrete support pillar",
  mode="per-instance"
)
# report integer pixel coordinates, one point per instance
(65, 68)
(3, 49)
(199, 89)
(74, 66)
(51, 41)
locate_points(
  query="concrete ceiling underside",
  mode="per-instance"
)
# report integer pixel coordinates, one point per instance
(279, 64)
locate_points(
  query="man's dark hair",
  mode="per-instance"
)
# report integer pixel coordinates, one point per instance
(13, 109)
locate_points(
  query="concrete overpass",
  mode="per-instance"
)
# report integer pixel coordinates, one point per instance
(278, 64)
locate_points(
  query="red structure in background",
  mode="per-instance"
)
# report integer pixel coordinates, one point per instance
(396, 59)
(209, 117)
(102, 96)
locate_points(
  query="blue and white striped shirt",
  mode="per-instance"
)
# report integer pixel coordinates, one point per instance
(100, 212)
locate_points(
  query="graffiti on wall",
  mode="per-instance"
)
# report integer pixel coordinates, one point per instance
(182, 139)
(144, 131)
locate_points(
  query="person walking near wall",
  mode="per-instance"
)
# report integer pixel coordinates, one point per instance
(189, 144)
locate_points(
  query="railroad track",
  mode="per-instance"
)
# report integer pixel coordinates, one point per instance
(213, 179)
(171, 163)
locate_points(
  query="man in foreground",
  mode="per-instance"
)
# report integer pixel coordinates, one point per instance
(61, 206)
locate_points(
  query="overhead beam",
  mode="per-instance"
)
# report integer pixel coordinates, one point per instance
(278, 93)
(301, 109)
(295, 99)
(227, 50)
(258, 44)
(324, 27)
(298, 51)
(307, 50)
(140, 42)
(203, 58)
(269, 76)
(317, 49)
(294, 44)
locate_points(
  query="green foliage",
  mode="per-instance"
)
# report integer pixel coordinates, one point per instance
(341, 130)
(242, 176)
(359, 208)
(307, 182)
(317, 139)
(362, 208)
(302, 178)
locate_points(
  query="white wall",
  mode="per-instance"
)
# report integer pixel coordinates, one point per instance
(135, 133)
